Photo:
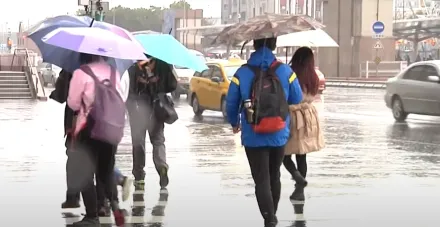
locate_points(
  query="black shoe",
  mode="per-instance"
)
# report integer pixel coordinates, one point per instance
(270, 221)
(298, 194)
(163, 174)
(70, 204)
(299, 179)
(270, 224)
(87, 222)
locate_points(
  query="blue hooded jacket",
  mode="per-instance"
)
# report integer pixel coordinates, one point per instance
(240, 89)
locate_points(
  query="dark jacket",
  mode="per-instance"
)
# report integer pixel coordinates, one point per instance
(60, 95)
(166, 83)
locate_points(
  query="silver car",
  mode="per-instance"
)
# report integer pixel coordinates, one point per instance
(49, 73)
(415, 90)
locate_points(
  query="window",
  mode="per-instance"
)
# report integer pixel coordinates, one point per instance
(207, 73)
(230, 71)
(217, 72)
(420, 72)
(429, 71)
(413, 73)
(243, 15)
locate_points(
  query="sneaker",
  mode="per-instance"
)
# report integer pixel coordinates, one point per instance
(139, 185)
(87, 222)
(119, 217)
(70, 204)
(163, 174)
(126, 188)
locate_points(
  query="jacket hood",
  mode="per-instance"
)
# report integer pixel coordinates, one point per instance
(262, 57)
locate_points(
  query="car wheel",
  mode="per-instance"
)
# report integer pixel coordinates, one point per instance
(398, 112)
(198, 111)
(225, 114)
(175, 95)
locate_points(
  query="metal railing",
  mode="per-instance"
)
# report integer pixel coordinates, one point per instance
(370, 69)
(35, 81)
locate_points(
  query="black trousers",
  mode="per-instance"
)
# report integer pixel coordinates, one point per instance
(301, 162)
(102, 155)
(100, 188)
(142, 120)
(265, 163)
(70, 197)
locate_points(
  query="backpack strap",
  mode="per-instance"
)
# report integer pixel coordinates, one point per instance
(113, 76)
(89, 71)
(274, 66)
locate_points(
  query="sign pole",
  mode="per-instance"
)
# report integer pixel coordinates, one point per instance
(378, 28)
(377, 63)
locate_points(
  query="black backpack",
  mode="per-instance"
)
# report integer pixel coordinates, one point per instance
(268, 100)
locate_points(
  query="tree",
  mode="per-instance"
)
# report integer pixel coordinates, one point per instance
(136, 19)
(181, 4)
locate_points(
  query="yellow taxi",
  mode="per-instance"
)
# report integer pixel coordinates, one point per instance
(208, 89)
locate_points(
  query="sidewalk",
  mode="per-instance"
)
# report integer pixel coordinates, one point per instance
(356, 82)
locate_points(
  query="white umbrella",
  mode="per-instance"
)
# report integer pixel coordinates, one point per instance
(311, 38)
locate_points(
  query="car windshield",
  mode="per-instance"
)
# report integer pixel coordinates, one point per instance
(230, 70)
(199, 56)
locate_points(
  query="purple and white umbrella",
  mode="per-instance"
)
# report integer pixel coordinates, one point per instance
(91, 40)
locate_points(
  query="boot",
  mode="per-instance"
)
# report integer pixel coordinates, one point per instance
(72, 201)
(298, 194)
(299, 179)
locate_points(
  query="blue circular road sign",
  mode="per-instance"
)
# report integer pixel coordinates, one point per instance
(378, 27)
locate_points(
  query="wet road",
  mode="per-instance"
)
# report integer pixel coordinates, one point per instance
(373, 172)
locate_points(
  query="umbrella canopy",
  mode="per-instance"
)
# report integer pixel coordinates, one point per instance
(266, 26)
(311, 38)
(37, 32)
(72, 41)
(166, 48)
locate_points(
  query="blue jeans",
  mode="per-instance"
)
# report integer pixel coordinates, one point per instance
(119, 177)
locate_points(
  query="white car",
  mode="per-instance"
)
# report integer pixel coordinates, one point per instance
(184, 75)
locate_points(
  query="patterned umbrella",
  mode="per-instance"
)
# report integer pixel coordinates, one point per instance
(266, 26)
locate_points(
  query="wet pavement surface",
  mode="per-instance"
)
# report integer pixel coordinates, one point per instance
(373, 172)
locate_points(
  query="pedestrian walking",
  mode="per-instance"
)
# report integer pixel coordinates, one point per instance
(59, 94)
(121, 180)
(260, 92)
(98, 106)
(148, 79)
(305, 131)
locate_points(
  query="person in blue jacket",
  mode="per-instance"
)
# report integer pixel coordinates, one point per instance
(265, 152)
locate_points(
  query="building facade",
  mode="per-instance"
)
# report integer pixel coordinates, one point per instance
(237, 10)
(188, 19)
(349, 23)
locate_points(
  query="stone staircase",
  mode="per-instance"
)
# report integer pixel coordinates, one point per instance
(14, 85)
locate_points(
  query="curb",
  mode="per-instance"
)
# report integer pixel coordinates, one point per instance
(357, 84)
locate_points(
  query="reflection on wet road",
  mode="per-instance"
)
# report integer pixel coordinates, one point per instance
(373, 171)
